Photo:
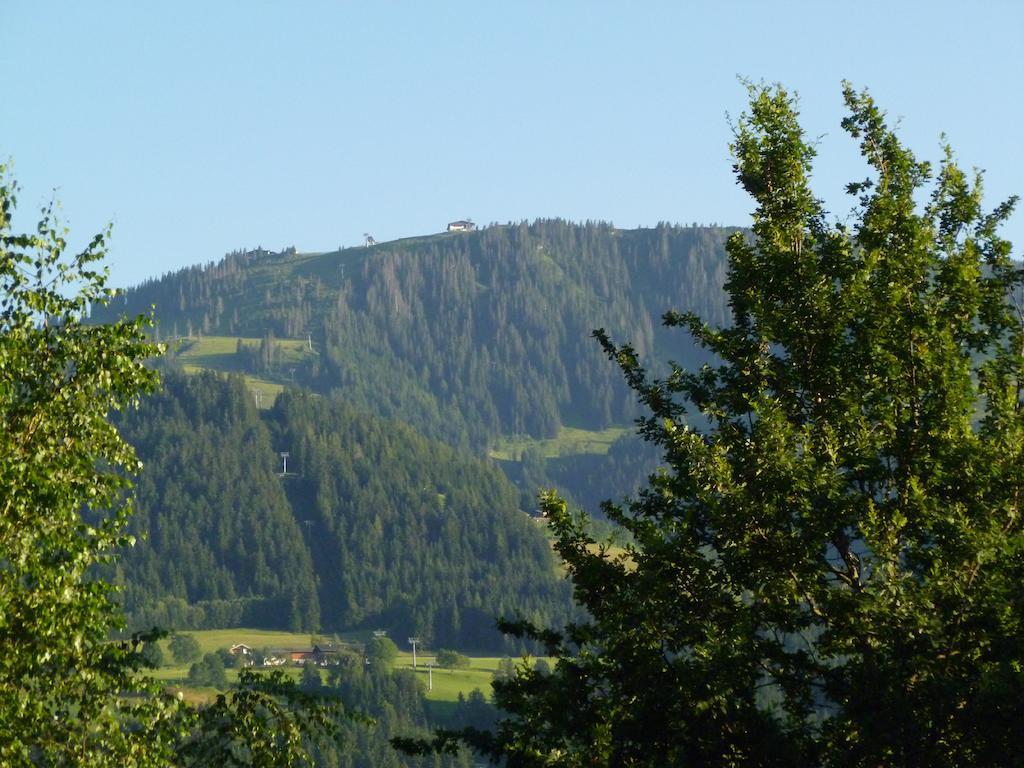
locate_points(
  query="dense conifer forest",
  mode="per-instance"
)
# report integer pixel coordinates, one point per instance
(395, 701)
(465, 336)
(319, 452)
(382, 352)
(374, 525)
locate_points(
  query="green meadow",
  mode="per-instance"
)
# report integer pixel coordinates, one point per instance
(447, 684)
(220, 353)
(441, 685)
(570, 441)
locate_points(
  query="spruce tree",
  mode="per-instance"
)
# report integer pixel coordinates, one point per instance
(830, 572)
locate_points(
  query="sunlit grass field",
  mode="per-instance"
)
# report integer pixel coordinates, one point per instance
(211, 639)
(447, 684)
(570, 441)
(219, 353)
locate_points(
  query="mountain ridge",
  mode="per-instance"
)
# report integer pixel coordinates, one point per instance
(468, 336)
(442, 346)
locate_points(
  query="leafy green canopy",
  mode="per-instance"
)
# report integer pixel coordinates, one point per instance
(832, 573)
(60, 678)
(381, 650)
(68, 695)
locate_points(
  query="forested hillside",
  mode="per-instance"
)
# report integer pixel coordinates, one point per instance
(466, 336)
(407, 533)
(473, 339)
(374, 525)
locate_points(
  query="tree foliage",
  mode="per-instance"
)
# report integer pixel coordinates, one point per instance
(831, 573)
(265, 721)
(183, 647)
(464, 338)
(69, 694)
(395, 702)
(382, 651)
(208, 671)
(449, 659)
(408, 534)
(219, 543)
(152, 654)
(375, 526)
(62, 473)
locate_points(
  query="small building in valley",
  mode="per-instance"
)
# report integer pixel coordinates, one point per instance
(321, 655)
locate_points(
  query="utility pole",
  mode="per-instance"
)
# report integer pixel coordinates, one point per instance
(413, 641)
(430, 675)
(284, 459)
(257, 394)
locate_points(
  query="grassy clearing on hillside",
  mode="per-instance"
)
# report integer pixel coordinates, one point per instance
(335, 267)
(211, 639)
(178, 675)
(332, 267)
(198, 696)
(612, 551)
(447, 683)
(268, 390)
(570, 441)
(219, 353)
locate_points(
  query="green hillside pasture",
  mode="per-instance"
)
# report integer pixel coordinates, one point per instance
(177, 675)
(219, 353)
(211, 639)
(611, 552)
(268, 390)
(198, 697)
(571, 441)
(448, 683)
(333, 267)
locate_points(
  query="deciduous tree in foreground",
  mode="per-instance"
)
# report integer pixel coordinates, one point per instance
(68, 694)
(832, 572)
(61, 469)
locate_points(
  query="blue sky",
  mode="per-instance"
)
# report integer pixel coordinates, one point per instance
(200, 127)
